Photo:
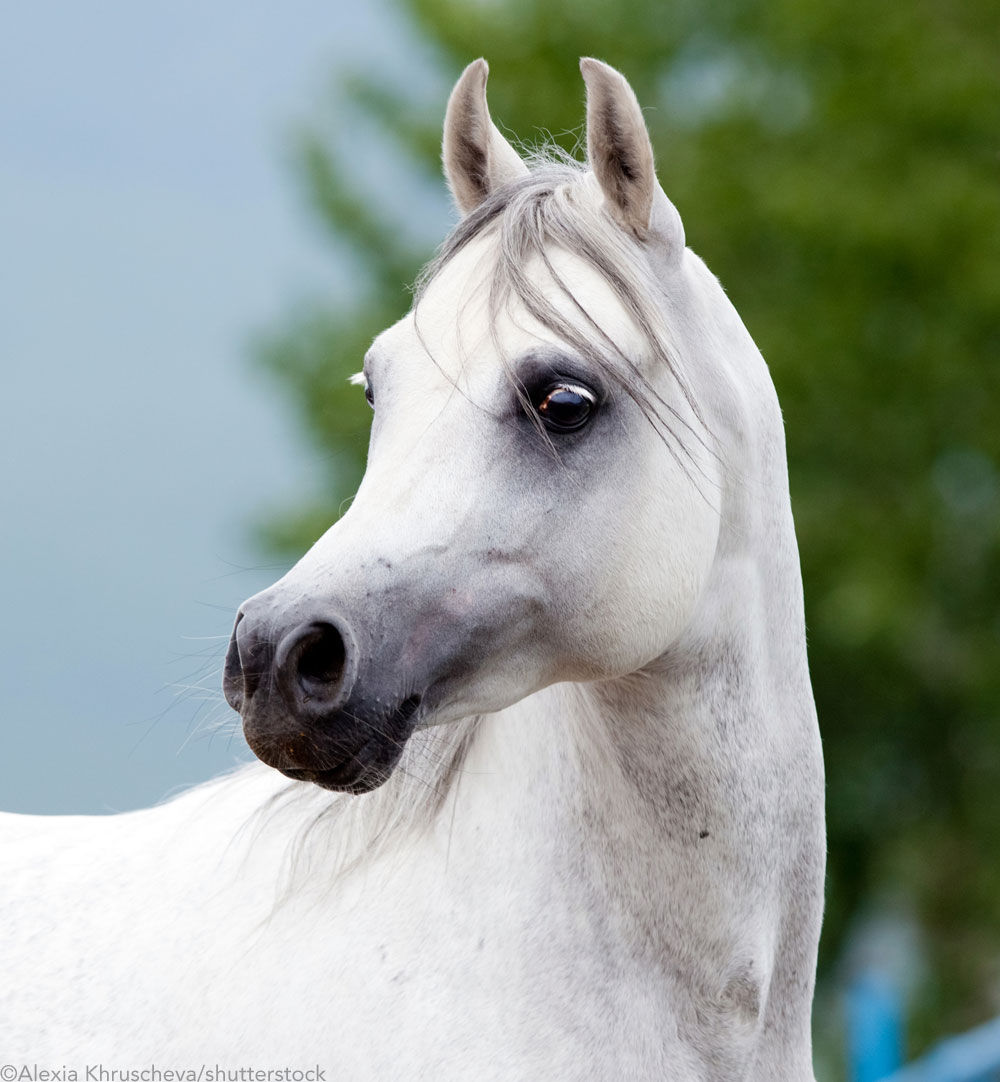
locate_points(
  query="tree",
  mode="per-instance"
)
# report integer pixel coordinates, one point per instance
(838, 169)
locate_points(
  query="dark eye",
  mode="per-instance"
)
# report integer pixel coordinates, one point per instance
(566, 406)
(369, 394)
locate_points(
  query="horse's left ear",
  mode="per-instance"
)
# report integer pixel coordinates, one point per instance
(618, 146)
(477, 158)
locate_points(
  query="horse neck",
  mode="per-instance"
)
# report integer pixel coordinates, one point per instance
(704, 754)
(689, 795)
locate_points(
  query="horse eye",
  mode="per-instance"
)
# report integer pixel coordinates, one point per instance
(565, 407)
(369, 394)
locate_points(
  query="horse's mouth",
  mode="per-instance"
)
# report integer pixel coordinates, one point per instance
(356, 775)
(345, 752)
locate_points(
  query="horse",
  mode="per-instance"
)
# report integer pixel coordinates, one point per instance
(541, 786)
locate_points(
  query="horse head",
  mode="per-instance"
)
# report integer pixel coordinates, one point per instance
(542, 496)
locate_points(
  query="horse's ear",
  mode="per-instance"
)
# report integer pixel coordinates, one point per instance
(477, 158)
(618, 146)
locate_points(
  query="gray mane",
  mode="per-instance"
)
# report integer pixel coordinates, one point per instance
(560, 204)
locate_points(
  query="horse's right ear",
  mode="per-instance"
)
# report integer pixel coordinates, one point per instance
(477, 158)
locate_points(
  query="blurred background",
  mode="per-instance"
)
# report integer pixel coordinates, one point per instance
(208, 211)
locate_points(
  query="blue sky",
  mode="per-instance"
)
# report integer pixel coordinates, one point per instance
(148, 226)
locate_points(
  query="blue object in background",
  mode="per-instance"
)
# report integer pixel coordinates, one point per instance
(874, 1027)
(971, 1057)
(875, 1040)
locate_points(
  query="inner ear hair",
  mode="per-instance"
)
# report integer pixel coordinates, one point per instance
(477, 158)
(618, 146)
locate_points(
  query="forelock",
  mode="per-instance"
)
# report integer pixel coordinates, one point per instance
(559, 205)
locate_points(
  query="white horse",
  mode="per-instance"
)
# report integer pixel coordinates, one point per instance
(557, 643)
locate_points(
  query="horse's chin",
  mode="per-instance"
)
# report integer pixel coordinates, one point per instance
(327, 755)
(344, 779)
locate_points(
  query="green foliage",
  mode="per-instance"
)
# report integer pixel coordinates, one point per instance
(837, 168)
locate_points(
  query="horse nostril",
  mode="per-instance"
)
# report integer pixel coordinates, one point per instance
(232, 672)
(233, 684)
(321, 663)
(247, 661)
(310, 667)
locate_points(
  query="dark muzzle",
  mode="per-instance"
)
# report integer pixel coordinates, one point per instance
(295, 690)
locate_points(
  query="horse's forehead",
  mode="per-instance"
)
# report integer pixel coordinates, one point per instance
(451, 332)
